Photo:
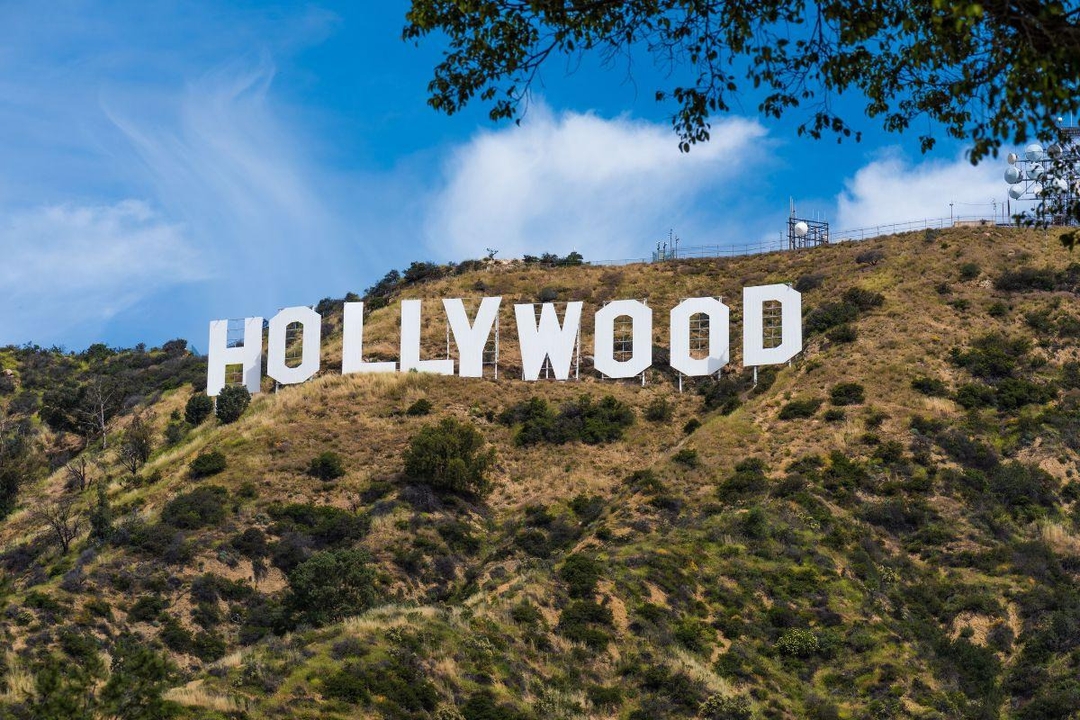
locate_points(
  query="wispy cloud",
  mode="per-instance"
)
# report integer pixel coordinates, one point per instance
(226, 164)
(573, 181)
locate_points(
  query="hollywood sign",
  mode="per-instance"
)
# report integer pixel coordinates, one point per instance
(546, 339)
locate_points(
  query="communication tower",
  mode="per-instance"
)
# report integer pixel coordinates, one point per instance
(804, 232)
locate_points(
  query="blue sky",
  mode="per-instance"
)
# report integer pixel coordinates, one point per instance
(166, 164)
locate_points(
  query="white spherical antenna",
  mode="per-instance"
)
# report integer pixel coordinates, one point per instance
(801, 228)
(1035, 189)
(1033, 152)
(1036, 171)
(1012, 158)
(1013, 175)
(1054, 151)
(1061, 184)
(1015, 192)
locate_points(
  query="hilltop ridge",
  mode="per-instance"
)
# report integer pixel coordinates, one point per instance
(886, 527)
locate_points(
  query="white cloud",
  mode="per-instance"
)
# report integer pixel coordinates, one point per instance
(605, 187)
(67, 267)
(894, 190)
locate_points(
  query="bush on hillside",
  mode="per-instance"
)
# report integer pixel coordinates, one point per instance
(448, 457)
(930, 386)
(207, 464)
(800, 409)
(849, 393)
(198, 508)
(842, 334)
(198, 408)
(232, 401)
(726, 707)
(659, 410)
(584, 420)
(326, 466)
(332, 585)
(581, 573)
(419, 408)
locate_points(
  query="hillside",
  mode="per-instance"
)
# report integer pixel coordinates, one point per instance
(887, 527)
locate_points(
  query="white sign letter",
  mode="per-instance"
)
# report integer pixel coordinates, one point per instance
(754, 299)
(352, 344)
(547, 340)
(220, 355)
(471, 339)
(410, 343)
(719, 342)
(604, 339)
(276, 340)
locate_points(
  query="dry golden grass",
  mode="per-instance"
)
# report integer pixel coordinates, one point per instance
(195, 695)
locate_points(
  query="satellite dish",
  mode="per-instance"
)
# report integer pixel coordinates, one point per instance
(1033, 152)
(1012, 158)
(1036, 171)
(1015, 192)
(1013, 175)
(801, 228)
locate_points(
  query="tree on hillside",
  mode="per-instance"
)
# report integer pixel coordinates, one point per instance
(137, 680)
(448, 458)
(988, 72)
(137, 445)
(61, 518)
(232, 401)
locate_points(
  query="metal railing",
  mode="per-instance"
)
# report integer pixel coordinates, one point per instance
(856, 235)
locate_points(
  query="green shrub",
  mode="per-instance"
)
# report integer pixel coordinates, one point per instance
(525, 613)
(748, 480)
(326, 466)
(870, 257)
(799, 643)
(585, 621)
(863, 300)
(419, 408)
(581, 573)
(397, 681)
(207, 464)
(992, 356)
(726, 707)
(659, 410)
(997, 309)
(834, 415)
(849, 393)
(830, 315)
(198, 508)
(251, 543)
(147, 609)
(232, 401)
(799, 409)
(332, 585)
(448, 457)
(805, 283)
(198, 408)
(972, 396)
(842, 334)
(930, 386)
(587, 421)
(969, 271)
(326, 525)
(693, 424)
(687, 457)
(1027, 278)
